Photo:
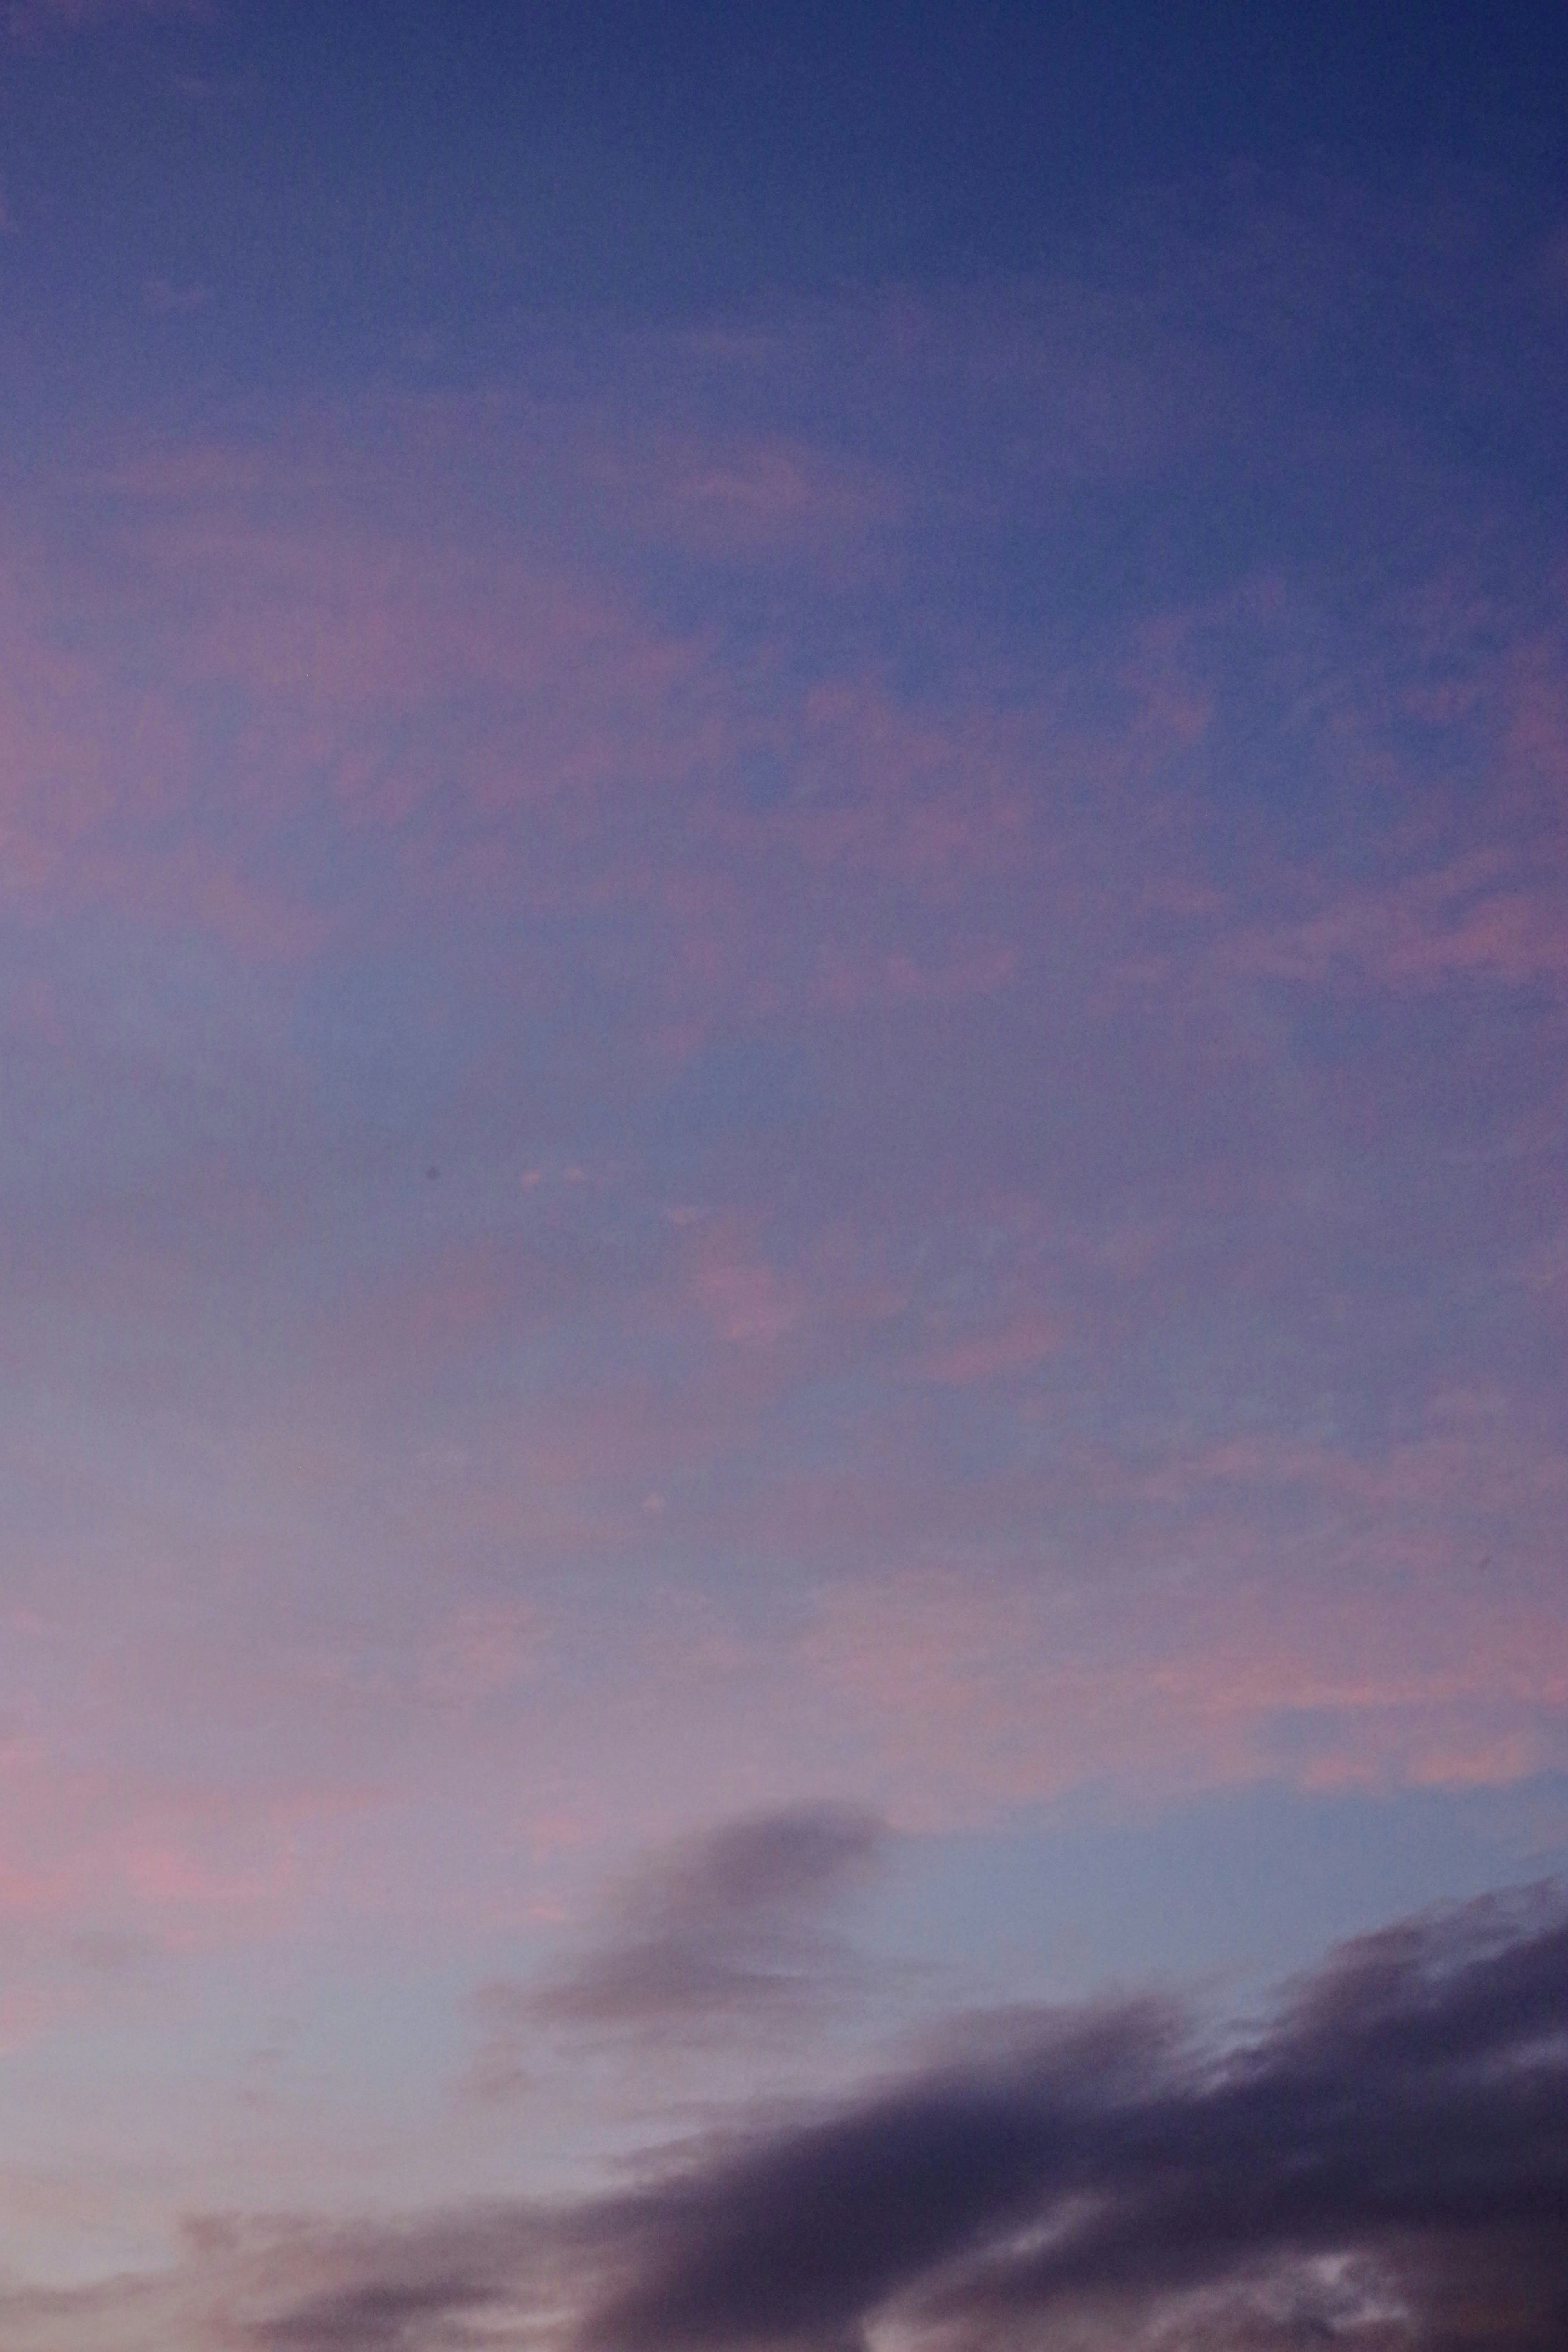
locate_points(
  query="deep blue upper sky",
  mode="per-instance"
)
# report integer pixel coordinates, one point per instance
(346, 181)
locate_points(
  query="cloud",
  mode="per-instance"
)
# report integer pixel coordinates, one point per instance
(1048, 1388)
(969, 1687)
(1382, 2165)
(1465, 922)
(726, 1927)
(1404, 2121)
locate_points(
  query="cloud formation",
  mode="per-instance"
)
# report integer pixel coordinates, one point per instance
(825, 1047)
(728, 1926)
(1389, 2162)
(1383, 2165)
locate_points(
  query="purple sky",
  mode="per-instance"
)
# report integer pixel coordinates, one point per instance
(784, 973)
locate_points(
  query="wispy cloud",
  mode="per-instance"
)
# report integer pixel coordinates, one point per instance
(725, 1931)
(1042, 983)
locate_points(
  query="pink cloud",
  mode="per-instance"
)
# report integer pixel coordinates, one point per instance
(753, 498)
(484, 1650)
(1469, 882)
(848, 979)
(973, 1692)
(1018, 1346)
(83, 1845)
(749, 1301)
(1471, 919)
(457, 1298)
(483, 721)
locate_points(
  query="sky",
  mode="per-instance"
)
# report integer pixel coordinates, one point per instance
(783, 1234)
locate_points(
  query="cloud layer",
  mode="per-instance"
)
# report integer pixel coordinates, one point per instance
(798, 1057)
(1382, 2165)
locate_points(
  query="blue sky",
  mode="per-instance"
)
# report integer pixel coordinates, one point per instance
(782, 913)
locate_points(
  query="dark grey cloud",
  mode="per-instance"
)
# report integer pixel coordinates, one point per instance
(1382, 2167)
(378, 2316)
(1403, 2123)
(724, 1927)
